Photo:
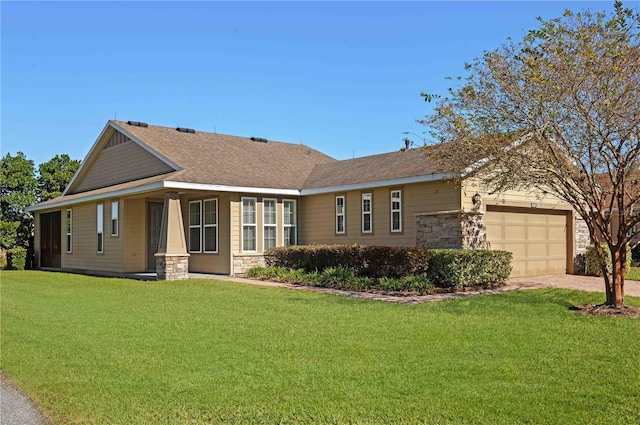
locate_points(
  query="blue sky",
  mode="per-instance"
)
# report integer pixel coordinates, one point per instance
(343, 78)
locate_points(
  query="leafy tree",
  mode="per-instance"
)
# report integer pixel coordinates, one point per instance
(17, 174)
(558, 111)
(54, 175)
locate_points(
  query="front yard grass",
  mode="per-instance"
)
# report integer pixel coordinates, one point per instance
(96, 351)
(633, 273)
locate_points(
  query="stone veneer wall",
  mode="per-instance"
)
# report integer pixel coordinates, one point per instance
(451, 229)
(243, 262)
(581, 239)
(172, 266)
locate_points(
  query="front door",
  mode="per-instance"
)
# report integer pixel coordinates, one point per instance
(50, 239)
(154, 224)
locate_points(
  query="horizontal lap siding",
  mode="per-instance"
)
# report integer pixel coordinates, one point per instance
(134, 226)
(516, 198)
(84, 255)
(121, 163)
(317, 214)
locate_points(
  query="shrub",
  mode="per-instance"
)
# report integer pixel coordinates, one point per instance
(370, 261)
(277, 274)
(418, 284)
(256, 272)
(390, 284)
(593, 264)
(460, 268)
(16, 258)
(336, 277)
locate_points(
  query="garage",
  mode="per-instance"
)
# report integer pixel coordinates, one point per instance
(537, 238)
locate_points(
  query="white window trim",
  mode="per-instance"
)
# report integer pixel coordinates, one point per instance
(204, 226)
(195, 226)
(370, 212)
(399, 210)
(117, 212)
(264, 221)
(343, 215)
(69, 233)
(295, 221)
(243, 224)
(100, 228)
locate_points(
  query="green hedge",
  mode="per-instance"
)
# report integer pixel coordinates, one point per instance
(368, 261)
(16, 258)
(460, 268)
(592, 264)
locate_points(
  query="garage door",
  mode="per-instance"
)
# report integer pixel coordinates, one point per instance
(537, 239)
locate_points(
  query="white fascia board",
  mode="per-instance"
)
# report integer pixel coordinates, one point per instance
(146, 147)
(379, 183)
(473, 167)
(225, 188)
(165, 185)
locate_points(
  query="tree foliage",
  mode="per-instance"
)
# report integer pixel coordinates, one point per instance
(17, 174)
(558, 111)
(54, 175)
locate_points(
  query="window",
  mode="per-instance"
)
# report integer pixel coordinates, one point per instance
(114, 218)
(366, 213)
(195, 229)
(249, 224)
(340, 213)
(270, 223)
(100, 227)
(69, 230)
(289, 219)
(211, 225)
(396, 211)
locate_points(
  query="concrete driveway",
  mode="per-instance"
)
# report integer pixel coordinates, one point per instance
(568, 281)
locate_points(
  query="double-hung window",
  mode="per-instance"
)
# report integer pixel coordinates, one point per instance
(195, 226)
(69, 230)
(114, 218)
(396, 211)
(100, 228)
(249, 225)
(367, 214)
(210, 230)
(340, 215)
(270, 223)
(289, 221)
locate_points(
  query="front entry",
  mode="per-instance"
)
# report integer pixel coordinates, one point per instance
(50, 239)
(154, 224)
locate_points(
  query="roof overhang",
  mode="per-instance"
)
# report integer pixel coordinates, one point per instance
(380, 183)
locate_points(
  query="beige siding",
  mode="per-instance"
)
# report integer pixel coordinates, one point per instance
(134, 225)
(210, 262)
(120, 163)
(514, 198)
(316, 214)
(84, 255)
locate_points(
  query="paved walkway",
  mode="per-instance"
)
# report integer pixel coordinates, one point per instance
(16, 408)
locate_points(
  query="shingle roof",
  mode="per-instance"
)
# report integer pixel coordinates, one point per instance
(386, 166)
(221, 159)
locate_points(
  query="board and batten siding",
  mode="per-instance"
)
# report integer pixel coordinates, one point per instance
(120, 163)
(317, 215)
(85, 255)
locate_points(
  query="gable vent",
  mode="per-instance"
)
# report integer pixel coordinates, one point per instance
(259, 139)
(185, 130)
(138, 123)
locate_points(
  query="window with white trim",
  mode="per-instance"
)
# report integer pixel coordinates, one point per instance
(249, 224)
(114, 218)
(340, 214)
(269, 223)
(100, 228)
(289, 221)
(195, 226)
(367, 214)
(396, 211)
(210, 230)
(69, 230)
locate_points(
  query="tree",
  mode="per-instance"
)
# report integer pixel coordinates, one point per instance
(558, 111)
(17, 174)
(54, 175)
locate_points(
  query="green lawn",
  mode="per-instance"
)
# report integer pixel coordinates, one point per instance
(633, 273)
(113, 351)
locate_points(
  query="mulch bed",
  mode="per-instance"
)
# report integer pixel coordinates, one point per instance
(607, 311)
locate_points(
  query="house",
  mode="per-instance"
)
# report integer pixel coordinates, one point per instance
(176, 200)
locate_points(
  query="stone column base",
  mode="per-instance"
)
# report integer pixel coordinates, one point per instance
(172, 266)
